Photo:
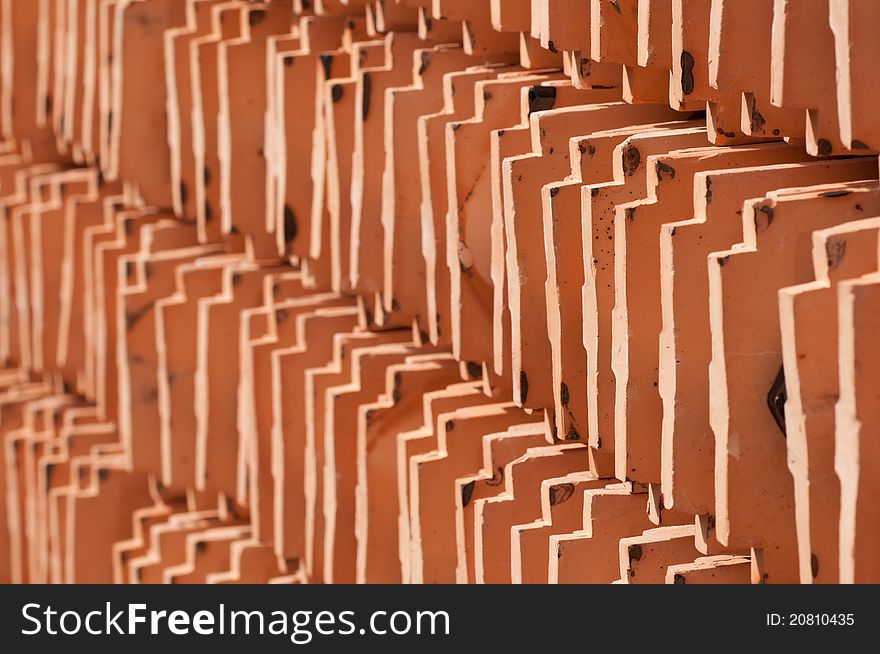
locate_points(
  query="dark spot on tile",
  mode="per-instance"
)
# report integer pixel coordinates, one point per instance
(523, 387)
(398, 380)
(835, 248)
(290, 225)
(424, 63)
(664, 169)
(757, 120)
(586, 67)
(467, 491)
(497, 477)
(368, 86)
(634, 552)
(687, 72)
(541, 98)
(767, 210)
(631, 159)
(560, 493)
(326, 64)
(776, 398)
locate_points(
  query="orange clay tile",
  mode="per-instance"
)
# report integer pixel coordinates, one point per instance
(524, 266)
(562, 512)
(590, 554)
(432, 475)
(740, 39)
(803, 39)
(856, 418)
(808, 320)
(748, 438)
(721, 569)
(498, 450)
(495, 517)
(854, 51)
(416, 441)
(398, 410)
(289, 443)
(688, 481)
(317, 379)
(458, 106)
(522, 178)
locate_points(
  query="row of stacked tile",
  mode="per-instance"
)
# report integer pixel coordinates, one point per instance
(435, 291)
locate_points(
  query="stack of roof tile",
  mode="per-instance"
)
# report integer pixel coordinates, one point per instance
(435, 291)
